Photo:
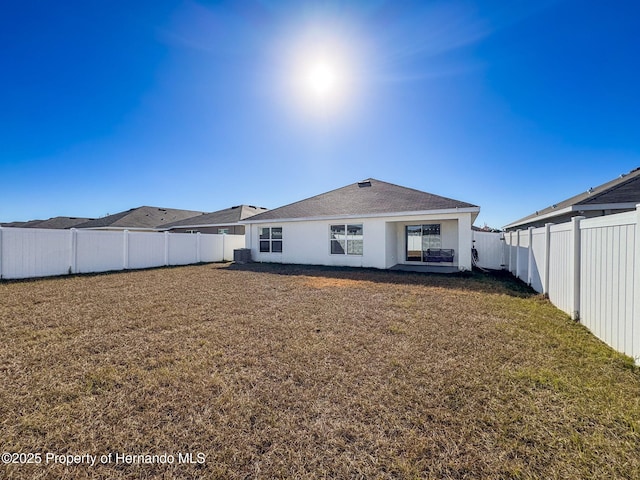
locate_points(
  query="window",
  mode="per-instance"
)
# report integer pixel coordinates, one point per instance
(271, 239)
(223, 231)
(420, 238)
(191, 231)
(346, 239)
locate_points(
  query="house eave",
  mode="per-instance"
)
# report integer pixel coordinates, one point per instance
(202, 225)
(573, 208)
(448, 211)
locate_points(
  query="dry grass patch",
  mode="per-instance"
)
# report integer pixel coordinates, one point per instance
(300, 372)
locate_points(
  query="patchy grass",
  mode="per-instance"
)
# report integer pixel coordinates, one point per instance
(301, 372)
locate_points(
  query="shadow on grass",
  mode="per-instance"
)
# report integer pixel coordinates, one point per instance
(497, 282)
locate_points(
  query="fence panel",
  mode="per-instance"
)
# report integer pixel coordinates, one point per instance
(608, 280)
(99, 251)
(537, 261)
(183, 249)
(231, 243)
(31, 252)
(146, 250)
(560, 272)
(491, 249)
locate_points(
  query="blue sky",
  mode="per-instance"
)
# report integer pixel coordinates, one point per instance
(513, 106)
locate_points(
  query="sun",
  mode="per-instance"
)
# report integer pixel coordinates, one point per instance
(321, 79)
(321, 72)
(323, 83)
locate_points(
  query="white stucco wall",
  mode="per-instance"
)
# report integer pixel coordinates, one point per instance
(307, 241)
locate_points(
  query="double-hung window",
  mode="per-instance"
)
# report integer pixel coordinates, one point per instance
(271, 239)
(346, 239)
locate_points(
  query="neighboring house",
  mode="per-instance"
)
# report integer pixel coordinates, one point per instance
(366, 224)
(54, 223)
(222, 221)
(616, 196)
(139, 219)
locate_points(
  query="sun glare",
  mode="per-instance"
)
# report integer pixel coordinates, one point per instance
(321, 78)
(321, 74)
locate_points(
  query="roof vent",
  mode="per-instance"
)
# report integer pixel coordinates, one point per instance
(364, 183)
(554, 206)
(235, 206)
(590, 191)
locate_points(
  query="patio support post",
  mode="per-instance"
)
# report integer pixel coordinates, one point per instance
(465, 243)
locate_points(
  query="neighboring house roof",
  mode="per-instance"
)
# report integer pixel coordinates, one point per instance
(369, 197)
(228, 216)
(622, 192)
(55, 222)
(141, 217)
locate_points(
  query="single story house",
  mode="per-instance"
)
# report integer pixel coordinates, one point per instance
(220, 222)
(619, 195)
(366, 224)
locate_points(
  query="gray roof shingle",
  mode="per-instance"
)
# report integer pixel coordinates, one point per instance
(141, 217)
(226, 216)
(54, 223)
(369, 197)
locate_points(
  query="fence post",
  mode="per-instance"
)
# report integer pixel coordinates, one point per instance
(73, 260)
(511, 271)
(198, 247)
(518, 253)
(547, 256)
(575, 266)
(166, 248)
(223, 259)
(125, 249)
(530, 262)
(635, 344)
(0, 252)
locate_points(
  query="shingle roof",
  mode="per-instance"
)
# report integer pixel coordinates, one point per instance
(141, 217)
(368, 197)
(624, 189)
(227, 216)
(55, 222)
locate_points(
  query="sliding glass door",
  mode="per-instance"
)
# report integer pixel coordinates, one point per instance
(420, 238)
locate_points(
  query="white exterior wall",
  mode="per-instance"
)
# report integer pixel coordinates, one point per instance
(307, 242)
(30, 252)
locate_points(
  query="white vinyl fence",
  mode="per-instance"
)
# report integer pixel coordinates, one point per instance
(490, 248)
(31, 252)
(590, 269)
